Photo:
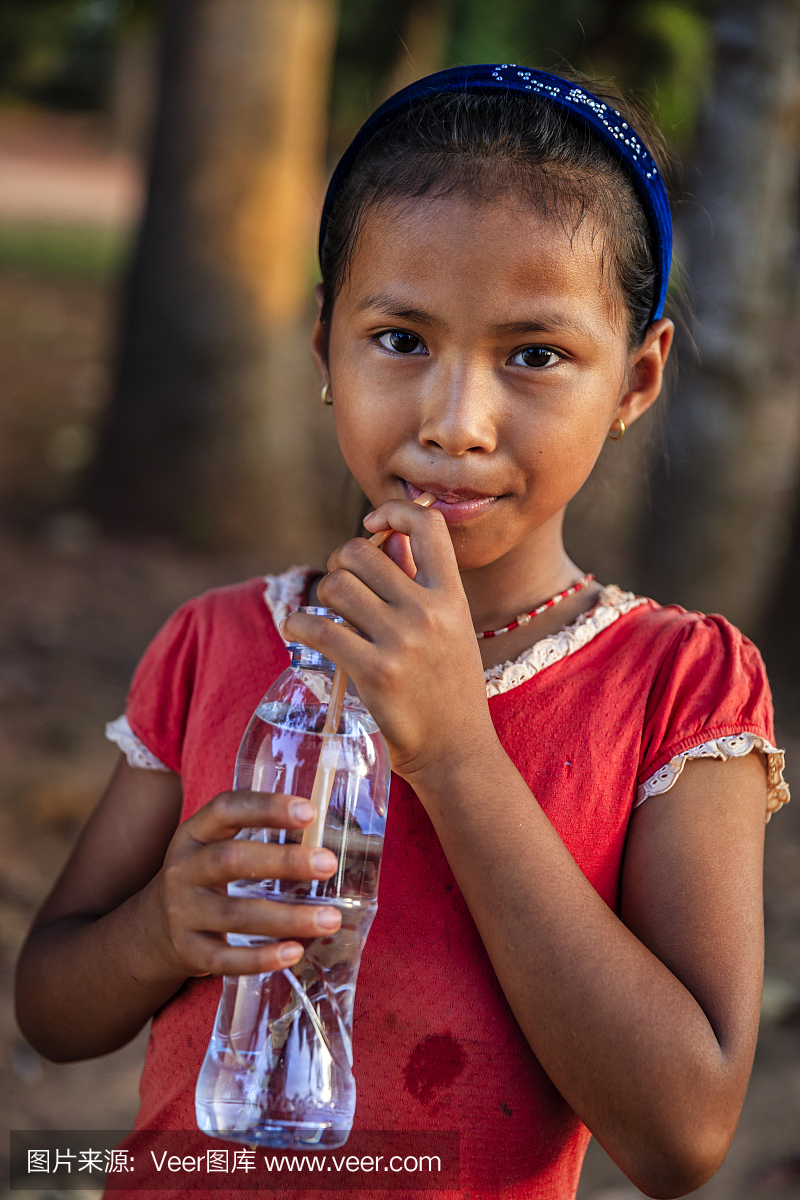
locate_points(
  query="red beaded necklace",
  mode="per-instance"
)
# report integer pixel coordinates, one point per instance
(526, 618)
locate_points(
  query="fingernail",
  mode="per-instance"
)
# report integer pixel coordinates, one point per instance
(301, 810)
(328, 918)
(369, 514)
(323, 860)
(281, 625)
(290, 953)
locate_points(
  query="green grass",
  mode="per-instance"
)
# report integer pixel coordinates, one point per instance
(63, 250)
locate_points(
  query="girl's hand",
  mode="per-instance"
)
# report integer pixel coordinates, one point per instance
(417, 667)
(190, 891)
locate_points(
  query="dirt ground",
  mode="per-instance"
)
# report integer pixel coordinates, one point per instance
(76, 610)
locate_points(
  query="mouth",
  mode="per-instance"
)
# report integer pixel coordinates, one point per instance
(455, 504)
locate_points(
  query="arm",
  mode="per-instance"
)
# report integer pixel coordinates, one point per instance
(142, 905)
(646, 1024)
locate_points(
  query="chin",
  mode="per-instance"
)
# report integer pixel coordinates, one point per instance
(469, 556)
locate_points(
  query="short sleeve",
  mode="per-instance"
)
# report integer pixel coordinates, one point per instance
(162, 688)
(710, 698)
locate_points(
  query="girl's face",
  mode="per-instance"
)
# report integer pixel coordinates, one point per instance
(477, 351)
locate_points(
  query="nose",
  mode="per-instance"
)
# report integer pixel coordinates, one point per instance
(458, 414)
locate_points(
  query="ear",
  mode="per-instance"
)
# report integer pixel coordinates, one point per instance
(319, 338)
(646, 372)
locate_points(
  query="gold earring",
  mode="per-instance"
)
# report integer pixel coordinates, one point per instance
(325, 395)
(618, 434)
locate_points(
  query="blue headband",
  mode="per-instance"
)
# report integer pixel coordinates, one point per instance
(605, 122)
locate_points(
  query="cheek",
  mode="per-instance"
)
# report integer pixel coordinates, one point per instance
(560, 446)
(366, 438)
(354, 438)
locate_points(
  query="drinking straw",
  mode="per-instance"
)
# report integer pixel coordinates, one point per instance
(328, 759)
(329, 752)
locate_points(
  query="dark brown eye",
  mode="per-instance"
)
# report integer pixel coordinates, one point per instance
(402, 342)
(535, 356)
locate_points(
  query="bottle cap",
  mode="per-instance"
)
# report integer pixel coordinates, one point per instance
(305, 656)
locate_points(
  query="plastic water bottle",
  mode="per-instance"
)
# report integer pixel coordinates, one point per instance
(278, 1069)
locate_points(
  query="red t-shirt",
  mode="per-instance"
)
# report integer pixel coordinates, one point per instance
(605, 705)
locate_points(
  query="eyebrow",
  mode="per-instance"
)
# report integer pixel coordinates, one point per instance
(547, 323)
(551, 322)
(391, 306)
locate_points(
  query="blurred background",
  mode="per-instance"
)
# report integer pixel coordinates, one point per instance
(162, 168)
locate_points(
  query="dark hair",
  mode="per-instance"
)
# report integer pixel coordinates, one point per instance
(482, 144)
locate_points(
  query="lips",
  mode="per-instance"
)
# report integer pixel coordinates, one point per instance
(455, 504)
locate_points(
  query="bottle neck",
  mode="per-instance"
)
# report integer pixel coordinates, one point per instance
(313, 660)
(310, 660)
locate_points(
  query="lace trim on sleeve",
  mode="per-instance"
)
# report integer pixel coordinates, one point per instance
(120, 733)
(725, 747)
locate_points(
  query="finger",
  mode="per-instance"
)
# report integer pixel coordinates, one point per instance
(219, 913)
(375, 620)
(424, 500)
(431, 547)
(229, 812)
(355, 561)
(211, 955)
(362, 594)
(360, 579)
(397, 547)
(350, 651)
(377, 569)
(219, 863)
(361, 583)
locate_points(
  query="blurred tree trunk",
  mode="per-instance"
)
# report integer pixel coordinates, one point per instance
(722, 499)
(198, 442)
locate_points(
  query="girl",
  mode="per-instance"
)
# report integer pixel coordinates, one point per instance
(570, 934)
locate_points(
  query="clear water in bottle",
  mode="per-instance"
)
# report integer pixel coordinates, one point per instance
(278, 1069)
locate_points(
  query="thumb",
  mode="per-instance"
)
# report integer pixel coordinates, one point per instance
(397, 547)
